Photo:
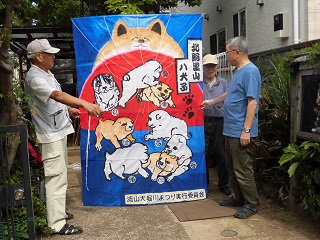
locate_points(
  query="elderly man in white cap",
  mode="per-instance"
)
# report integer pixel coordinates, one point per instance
(50, 111)
(214, 87)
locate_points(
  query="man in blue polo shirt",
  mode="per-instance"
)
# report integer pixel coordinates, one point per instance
(240, 127)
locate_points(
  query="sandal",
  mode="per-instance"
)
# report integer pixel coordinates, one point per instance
(232, 201)
(245, 212)
(70, 229)
(69, 216)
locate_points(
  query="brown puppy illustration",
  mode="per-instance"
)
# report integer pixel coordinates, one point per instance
(157, 94)
(154, 38)
(114, 131)
(161, 164)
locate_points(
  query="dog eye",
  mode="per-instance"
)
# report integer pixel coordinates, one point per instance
(159, 88)
(175, 148)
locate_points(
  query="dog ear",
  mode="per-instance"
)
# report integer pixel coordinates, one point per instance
(120, 28)
(157, 26)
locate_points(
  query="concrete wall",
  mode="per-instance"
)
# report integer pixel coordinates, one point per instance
(313, 12)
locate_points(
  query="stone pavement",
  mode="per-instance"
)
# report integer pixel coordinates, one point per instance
(157, 222)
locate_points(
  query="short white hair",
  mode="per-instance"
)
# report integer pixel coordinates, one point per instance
(31, 56)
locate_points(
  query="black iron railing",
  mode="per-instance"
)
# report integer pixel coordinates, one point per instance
(15, 195)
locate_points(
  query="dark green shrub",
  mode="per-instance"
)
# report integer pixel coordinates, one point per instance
(304, 162)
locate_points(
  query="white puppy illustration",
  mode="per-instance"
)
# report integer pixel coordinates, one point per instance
(144, 76)
(177, 146)
(164, 126)
(126, 161)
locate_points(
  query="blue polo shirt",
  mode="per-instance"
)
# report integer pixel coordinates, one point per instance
(246, 82)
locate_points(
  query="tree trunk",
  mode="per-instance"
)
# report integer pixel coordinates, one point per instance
(9, 108)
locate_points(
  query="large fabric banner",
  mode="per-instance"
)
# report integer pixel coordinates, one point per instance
(145, 71)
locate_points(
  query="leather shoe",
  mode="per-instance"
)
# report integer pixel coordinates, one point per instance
(70, 230)
(225, 190)
(69, 216)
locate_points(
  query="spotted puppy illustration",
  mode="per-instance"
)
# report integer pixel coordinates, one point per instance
(114, 131)
(161, 164)
(164, 126)
(146, 75)
(106, 91)
(127, 160)
(125, 39)
(156, 94)
(177, 146)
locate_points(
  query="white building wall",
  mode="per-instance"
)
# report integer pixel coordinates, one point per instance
(313, 12)
(260, 21)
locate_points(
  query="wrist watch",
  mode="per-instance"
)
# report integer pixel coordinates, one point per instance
(246, 130)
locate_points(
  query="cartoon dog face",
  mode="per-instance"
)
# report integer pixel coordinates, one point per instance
(106, 91)
(154, 38)
(114, 131)
(177, 146)
(161, 164)
(157, 94)
(162, 91)
(167, 163)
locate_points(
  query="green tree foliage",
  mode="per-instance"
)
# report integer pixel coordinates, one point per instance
(145, 6)
(60, 12)
(46, 12)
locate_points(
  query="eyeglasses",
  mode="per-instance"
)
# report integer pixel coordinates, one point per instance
(227, 51)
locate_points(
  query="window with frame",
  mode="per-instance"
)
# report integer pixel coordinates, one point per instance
(221, 40)
(213, 44)
(239, 24)
(218, 42)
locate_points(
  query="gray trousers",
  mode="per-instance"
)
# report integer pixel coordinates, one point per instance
(239, 162)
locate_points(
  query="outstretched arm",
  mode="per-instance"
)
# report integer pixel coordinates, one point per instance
(72, 101)
(208, 103)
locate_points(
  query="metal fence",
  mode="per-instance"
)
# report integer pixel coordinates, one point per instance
(14, 195)
(225, 70)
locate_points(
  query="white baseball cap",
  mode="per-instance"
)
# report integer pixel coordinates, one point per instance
(41, 45)
(210, 59)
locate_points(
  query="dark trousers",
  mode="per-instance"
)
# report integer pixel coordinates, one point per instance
(239, 162)
(214, 144)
